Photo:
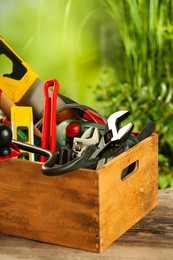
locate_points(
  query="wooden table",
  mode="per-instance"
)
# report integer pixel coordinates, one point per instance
(151, 238)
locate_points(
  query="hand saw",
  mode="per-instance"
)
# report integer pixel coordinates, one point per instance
(22, 85)
(24, 88)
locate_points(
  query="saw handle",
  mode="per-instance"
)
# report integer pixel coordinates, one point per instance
(15, 84)
(19, 69)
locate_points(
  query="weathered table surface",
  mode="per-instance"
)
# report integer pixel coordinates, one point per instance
(151, 238)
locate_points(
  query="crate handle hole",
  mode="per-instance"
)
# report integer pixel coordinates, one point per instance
(129, 170)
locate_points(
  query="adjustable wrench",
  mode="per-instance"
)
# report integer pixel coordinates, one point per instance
(91, 136)
(115, 134)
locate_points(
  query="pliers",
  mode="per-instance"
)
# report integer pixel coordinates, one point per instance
(47, 167)
(90, 156)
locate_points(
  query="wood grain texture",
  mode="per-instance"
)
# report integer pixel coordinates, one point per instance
(125, 201)
(150, 239)
(60, 209)
(156, 229)
(84, 209)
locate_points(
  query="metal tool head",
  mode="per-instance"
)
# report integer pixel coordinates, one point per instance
(114, 123)
(90, 137)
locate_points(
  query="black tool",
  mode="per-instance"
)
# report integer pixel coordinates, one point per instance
(10, 146)
(146, 131)
(114, 133)
(47, 167)
(86, 160)
(114, 149)
(64, 155)
(5, 139)
(7, 149)
(34, 149)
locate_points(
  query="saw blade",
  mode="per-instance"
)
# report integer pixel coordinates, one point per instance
(34, 97)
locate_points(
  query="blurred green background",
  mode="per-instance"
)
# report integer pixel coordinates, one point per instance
(107, 54)
(59, 39)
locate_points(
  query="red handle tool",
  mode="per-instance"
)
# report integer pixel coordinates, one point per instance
(48, 140)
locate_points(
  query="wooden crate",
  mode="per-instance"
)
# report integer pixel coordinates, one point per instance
(85, 209)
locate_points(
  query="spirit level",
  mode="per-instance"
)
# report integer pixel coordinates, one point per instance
(23, 128)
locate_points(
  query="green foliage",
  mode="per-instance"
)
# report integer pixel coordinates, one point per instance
(131, 40)
(166, 172)
(145, 28)
(142, 81)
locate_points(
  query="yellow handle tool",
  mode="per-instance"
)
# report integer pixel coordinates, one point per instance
(22, 77)
(22, 85)
(22, 127)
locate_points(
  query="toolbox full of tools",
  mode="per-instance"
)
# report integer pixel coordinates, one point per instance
(68, 175)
